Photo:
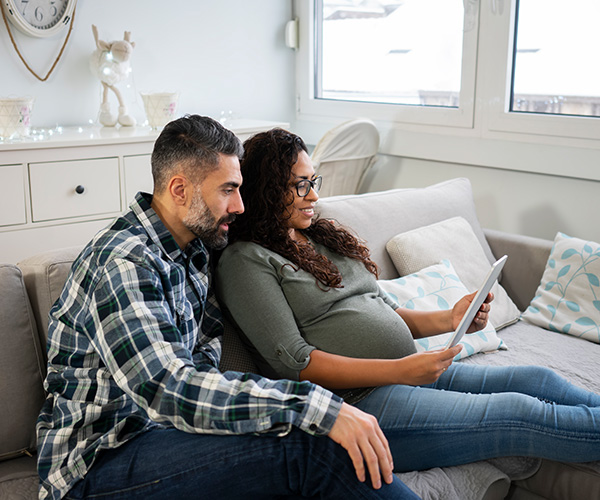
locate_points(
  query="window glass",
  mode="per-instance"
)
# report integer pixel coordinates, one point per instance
(390, 51)
(557, 57)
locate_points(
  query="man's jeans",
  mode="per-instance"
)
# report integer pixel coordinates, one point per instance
(459, 419)
(171, 464)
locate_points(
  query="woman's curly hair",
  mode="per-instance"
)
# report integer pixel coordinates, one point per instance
(266, 169)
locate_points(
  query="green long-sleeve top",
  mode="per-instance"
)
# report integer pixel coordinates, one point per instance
(286, 314)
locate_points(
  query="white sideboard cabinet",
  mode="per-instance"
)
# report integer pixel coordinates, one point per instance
(61, 186)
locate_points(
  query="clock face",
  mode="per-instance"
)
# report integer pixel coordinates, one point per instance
(39, 17)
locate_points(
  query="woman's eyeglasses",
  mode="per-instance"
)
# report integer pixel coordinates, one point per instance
(304, 186)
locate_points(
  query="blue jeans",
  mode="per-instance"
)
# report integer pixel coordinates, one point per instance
(478, 412)
(165, 464)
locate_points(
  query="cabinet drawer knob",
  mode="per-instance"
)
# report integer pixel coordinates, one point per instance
(79, 189)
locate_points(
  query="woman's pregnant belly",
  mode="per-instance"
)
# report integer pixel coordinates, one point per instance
(361, 327)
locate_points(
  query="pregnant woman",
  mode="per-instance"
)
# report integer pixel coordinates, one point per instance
(303, 290)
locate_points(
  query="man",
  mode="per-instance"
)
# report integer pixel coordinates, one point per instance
(136, 406)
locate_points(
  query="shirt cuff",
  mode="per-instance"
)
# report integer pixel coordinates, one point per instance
(320, 412)
(388, 300)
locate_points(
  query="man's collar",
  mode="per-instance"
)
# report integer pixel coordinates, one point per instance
(154, 227)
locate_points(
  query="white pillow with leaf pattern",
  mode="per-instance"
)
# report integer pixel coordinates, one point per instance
(434, 288)
(568, 298)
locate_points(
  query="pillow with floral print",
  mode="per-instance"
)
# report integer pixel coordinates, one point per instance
(568, 298)
(431, 289)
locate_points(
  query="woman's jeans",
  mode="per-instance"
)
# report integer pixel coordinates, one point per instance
(478, 412)
(171, 464)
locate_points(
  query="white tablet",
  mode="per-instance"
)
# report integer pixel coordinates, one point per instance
(482, 293)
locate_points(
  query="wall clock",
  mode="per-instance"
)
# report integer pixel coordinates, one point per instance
(39, 18)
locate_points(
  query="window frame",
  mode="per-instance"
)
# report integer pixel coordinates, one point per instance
(542, 144)
(485, 92)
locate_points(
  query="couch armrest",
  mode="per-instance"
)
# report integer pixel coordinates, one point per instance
(524, 269)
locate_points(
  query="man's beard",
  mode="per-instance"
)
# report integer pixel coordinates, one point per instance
(200, 221)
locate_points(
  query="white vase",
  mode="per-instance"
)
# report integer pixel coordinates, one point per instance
(15, 117)
(160, 107)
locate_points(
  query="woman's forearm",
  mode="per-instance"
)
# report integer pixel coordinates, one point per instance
(426, 323)
(339, 372)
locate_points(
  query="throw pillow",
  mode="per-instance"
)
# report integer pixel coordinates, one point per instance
(439, 287)
(568, 298)
(451, 239)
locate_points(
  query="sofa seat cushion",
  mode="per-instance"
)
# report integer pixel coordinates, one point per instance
(559, 481)
(22, 369)
(573, 358)
(24, 488)
(19, 479)
(376, 217)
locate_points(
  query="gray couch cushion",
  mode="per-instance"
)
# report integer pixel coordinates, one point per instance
(19, 479)
(575, 359)
(22, 369)
(400, 210)
(45, 277)
(560, 481)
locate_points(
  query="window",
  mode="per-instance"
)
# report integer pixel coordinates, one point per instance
(389, 51)
(504, 70)
(394, 60)
(538, 61)
(556, 58)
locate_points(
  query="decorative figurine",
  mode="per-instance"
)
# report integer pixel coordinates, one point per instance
(110, 62)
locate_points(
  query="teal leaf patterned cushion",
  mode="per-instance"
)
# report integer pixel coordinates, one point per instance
(434, 288)
(568, 298)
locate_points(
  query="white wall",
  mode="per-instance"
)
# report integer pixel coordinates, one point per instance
(530, 189)
(221, 55)
(229, 55)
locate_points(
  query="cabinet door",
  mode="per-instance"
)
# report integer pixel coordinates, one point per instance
(79, 188)
(138, 176)
(12, 195)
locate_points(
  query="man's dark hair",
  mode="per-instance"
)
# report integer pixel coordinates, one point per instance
(191, 145)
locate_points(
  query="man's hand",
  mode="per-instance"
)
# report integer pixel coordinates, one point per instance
(481, 318)
(360, 435)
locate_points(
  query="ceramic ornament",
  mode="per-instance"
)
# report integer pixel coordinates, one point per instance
(110, 62)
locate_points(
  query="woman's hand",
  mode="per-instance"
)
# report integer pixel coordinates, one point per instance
(425, 367)
(481, 318)
(360, 435)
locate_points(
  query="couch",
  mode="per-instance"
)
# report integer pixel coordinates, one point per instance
(29, 288)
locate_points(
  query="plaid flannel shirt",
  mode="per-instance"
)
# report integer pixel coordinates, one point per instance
(134, 343)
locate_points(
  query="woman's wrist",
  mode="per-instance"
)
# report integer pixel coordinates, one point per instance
(401, 371)
(449, 321)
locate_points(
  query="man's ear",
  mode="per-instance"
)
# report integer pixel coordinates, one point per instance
(180, 189)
